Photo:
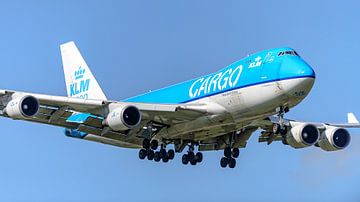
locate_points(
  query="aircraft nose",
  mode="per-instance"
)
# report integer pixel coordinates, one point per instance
(297, 79)
(296, 68)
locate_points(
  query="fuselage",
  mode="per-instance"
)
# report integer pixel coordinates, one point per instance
(264, 67)
(249, 89)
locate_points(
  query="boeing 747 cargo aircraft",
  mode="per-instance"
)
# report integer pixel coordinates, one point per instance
(219, 111)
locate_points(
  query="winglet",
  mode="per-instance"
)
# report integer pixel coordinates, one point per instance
(352, 118)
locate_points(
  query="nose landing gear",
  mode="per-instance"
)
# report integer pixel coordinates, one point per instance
(280, 128)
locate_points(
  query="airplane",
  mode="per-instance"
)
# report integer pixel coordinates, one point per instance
(219, 111)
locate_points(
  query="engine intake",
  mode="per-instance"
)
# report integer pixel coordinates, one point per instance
(124, 118)
(334, 138)
(303, 135)
(22, 107)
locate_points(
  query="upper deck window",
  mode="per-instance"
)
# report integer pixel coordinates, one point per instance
(288, 53)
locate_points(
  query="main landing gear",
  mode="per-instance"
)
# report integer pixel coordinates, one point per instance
(149, 151)
(229, 158)
(191, 157)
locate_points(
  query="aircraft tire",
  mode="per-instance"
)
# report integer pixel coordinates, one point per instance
(142, 154)
(165, 159)
(235, 152)
(193, 161)
(157, 156)
(224, 162)
(146, 144)
(185, 159)
(171, 154)
(154, 144)
(227, 152)
(283, 131)
(199, 157)
(163, 153)
(150, 155)
(232, 163)
(191, 155)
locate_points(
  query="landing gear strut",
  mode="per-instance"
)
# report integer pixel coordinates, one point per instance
(149, 151)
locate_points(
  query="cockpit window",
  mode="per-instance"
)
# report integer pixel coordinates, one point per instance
(294, 53)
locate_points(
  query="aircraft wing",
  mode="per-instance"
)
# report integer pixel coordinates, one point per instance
(352, 122)
(88, 115)
(86, 110)
(267, 124)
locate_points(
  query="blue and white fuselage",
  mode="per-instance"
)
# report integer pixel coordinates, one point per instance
(254, 86)
(261, 68)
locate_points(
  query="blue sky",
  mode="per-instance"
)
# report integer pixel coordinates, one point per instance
(137, 46)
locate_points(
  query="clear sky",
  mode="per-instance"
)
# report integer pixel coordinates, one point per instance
(137, 46)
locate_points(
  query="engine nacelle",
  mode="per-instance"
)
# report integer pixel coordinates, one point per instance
(123, 118)
(334, 138)
(22, 107)
(302, 135)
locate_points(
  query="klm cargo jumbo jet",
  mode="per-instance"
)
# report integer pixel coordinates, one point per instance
(219, 111)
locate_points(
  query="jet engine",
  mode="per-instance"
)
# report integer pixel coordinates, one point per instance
(22, 107)
(123, 118)
(334, 138)
(302, 135)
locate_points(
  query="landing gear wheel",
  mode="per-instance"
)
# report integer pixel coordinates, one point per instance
(165, 159)
(235, 152)
(154, 144)
(193, 161)
(227, 152)
(185, 159)
(283, 131)
(199, 157)
(163, 153)
(171, 154)
(224, 162)
(276, 128)
(232, 163)
(146, 144)
(157, 156)
(150, 155)
(142, 154)
(191, 155)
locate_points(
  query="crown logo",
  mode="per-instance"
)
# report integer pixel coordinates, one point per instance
(79, 74)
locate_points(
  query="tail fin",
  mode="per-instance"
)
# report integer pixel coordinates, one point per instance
(80, 82)
(352, 118)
